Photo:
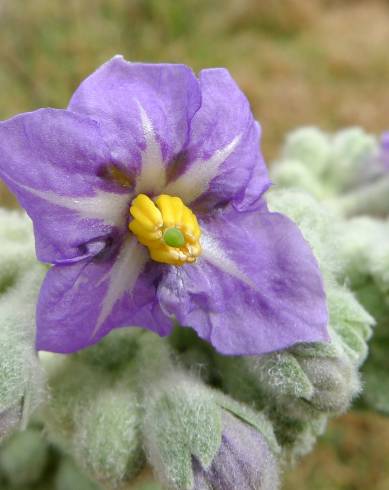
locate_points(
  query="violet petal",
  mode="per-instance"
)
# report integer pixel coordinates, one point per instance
(144, 110)
(223, 151)
(256, 289)
(82, 302)
(51, 160)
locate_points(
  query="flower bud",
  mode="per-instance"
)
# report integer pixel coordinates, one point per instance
(243, 461)
(335, 383)
(194, 441)
(304, 382)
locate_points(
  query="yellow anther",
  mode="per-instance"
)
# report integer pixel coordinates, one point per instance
(146, 213)
(167, 207)
(190, 225)
(173, 257)
(167, 228)
(137, 228)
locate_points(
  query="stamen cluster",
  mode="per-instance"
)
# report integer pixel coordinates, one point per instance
(167, 227)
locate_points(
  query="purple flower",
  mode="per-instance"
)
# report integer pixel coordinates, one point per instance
(147, 197)
(244, 461)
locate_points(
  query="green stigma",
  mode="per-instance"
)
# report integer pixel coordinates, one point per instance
(174, 238)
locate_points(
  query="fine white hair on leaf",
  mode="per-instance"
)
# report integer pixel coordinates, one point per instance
(22, 384)
(195, 181)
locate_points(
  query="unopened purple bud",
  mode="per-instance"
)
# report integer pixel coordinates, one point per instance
(243, 461)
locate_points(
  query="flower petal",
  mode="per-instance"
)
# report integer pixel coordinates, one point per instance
(256, 289)
(82, 302)
(223, 151)
(51, 159)
(144, 111)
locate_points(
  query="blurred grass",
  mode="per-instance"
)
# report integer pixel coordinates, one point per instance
(353, 454)
(299, 61)
(322, 62)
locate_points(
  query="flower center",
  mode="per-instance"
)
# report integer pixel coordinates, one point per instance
(167, 227)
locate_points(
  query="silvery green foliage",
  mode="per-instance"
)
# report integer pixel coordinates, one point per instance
(116, 413)
(310, 146)
(94, 412)
(22, 382)
(197, 439)
(335, 161)
(342, 168)
(185, 425)
(352, 149)
(182, 422)
(366, 252)
(9, 419)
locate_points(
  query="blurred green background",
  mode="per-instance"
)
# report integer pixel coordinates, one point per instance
(321, 62)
